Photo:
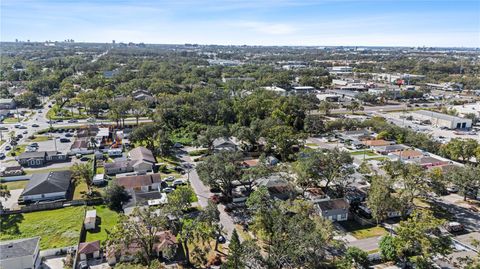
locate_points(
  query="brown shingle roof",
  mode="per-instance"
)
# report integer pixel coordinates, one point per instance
(132, 182)
(142, 153)
(378, 142)
(407, 154)
(88, 247)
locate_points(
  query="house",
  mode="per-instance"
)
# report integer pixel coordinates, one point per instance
(80, 146)
(408, 154)
(277, 186)
(384, 150)
(47, 186)
(334, 210)
(118, 167)
(40, 158)
(90, 219)
(20, 253)
(165, 242)
(225, 144)
(250, 163)
(316, 195)
(143, 159)
(144, 199)
(377, 143)
(142, 95)
(142, 183)
(115, 152)
(7, 103)
(427, 161)
(88, 250)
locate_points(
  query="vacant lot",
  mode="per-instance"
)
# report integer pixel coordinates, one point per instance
(107, 219)
(57, 228)
(362, 232)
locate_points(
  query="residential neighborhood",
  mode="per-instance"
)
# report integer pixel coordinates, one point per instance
(133, 153)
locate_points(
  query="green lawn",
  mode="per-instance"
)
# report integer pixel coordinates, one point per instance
(367, 153)
(18, 150)
(10, 120)
(311, 145)
(100, 170)
(57, 228)
(14, 185)
(108, 219)
(362, 232)
(46, 170)
(40, 138)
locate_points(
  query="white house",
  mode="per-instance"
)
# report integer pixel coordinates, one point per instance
(20, 254)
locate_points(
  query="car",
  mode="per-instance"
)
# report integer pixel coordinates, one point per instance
(19, 136)
(64, 140)
(84, 159)
(454, 226)
(51, 122)
(3, 128)
(25, 132)
(33, 145)
(17, 126)
(168, 190)
(50, 106)
(68, 135)
(91, 120)
(31, 149)
(179, 182)
(8, 148)
(39, 111)
(72, 121)
(22, 127)
(35, 125)
(83, 265)
(221, 239)
(2, 155)
(452, 189)
(59, 120)
(170, 178)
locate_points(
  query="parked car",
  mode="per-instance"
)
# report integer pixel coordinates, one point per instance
(68, 135)
(84, 159)
(168, 190)
(35, 125)
(64, 140)
(22, 127)
(178, 182)
(19, 136)
(2, 155)
(25, 132)
(170, 178)
(454, 226)
(72, 121)
(8, 148)
(215, 198)
(33, 145)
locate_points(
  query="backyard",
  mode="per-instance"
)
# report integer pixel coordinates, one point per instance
(14, 185)
(361, 152)
(108, 219)
(57, 228)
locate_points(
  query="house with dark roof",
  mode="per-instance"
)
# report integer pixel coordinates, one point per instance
(118, 167)
(80, 146)
(20, 253)
(225, 144)
(40, 158)
(47, 186)
(334, 210)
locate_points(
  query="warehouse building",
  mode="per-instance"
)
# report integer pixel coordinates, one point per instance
(443, 120)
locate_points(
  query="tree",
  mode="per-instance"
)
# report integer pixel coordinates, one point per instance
(182, 198)
(139, 109)
(115, 196)
(220, 171)
(281, 139)
(326, 107)
(466, 178)
(354, 258)
(414, 241)
(234, 260)
(354, 106)
(140, 228)
(83, 172)
(460, 149)
(28, 99)
(165, 144)
(4, 193)
(144, 134)
(314, 124)
(380, 200)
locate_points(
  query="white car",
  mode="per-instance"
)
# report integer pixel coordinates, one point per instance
(178, 182)
(170, 178)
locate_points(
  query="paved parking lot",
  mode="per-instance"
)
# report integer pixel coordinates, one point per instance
(50, 144)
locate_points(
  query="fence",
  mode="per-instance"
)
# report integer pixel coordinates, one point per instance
(15, 178)
(53, 205)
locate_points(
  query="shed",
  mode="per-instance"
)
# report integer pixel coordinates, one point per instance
(90, 219)
(89, 250)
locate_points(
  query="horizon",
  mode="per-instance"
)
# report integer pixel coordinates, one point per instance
(329, 23)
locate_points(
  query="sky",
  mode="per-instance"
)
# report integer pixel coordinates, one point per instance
(438, 23)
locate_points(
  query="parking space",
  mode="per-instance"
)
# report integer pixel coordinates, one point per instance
(52, 144)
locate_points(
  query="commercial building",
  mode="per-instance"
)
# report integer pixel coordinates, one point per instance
(7, 103)
(443, 120)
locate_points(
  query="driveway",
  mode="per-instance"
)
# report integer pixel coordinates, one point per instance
(12, 202)
(367, 244)
(53, 263)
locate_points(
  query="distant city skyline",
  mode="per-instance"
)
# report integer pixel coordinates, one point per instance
(235, 22)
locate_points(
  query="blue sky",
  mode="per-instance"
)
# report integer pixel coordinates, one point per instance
(251, 22)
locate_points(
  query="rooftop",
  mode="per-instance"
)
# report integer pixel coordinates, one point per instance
(18, 248)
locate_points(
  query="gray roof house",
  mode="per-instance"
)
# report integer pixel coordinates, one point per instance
(225, 144)
(47, 186)
(40, 158)
(334, 210)
(7, 103)
(141, 161)
(20, 253)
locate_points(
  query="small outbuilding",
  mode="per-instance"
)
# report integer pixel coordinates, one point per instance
(90, 219)
(89, 250)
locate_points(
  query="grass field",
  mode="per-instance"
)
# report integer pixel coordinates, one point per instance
(18, 150)
(46, 170)
(108, 219)
(10, 120)
(367, 153)
(40, 138)
(14, 185)
(362, 232)
(57, 228)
